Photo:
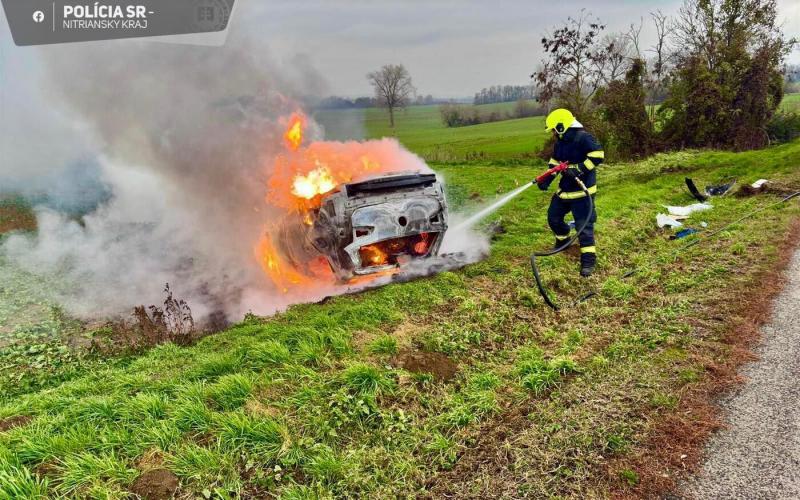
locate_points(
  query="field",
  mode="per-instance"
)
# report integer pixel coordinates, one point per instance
(420, 129)
(463, 384)
(791, 102)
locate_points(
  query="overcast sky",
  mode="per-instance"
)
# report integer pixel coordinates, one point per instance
(451, 47)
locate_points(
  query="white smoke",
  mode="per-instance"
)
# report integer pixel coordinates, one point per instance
(184, 140)
(185, 136)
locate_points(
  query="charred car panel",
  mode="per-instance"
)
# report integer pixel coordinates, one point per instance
(370, 226)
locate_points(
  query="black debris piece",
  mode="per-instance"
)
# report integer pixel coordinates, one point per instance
(693, 189)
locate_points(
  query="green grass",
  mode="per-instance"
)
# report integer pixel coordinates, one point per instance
(420, 129)
(307, 403)
(791, 102)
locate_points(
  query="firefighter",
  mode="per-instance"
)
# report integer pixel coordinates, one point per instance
(577, 147)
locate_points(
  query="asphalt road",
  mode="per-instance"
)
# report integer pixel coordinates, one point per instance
(757, 455)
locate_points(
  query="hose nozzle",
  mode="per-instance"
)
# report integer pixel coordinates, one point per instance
(558, 168)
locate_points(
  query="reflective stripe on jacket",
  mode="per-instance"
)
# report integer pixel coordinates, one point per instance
(578, 147)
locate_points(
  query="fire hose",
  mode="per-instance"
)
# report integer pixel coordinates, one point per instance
(563, 166)
(578, 230)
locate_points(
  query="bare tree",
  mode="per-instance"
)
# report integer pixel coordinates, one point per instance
(393, 88)
(575, 63)
(633, 35)
(662, 56)
(617, 57)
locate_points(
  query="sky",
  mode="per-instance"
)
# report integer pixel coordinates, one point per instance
(452, 48)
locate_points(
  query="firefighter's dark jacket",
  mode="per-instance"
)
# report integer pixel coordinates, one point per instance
(576, 147)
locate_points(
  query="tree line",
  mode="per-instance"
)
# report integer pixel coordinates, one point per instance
(504, 93)
(336, 102)
(458, 115)
(714, 77)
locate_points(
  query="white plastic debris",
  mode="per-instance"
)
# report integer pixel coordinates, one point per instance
(665, 220)
(704, 224)
(688, 209)
(757, 184)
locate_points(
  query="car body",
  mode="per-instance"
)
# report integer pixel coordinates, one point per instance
(369, 226)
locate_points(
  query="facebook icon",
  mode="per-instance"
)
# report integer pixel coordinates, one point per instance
(38, 16)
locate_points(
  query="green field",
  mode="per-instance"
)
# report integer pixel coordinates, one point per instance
(791, 102)
(421, 130)
(314, 403)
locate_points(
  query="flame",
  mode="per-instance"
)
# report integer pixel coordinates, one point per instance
(279, 271)
(297, 179)
(373, 255)
(318, 181)
(294, 134)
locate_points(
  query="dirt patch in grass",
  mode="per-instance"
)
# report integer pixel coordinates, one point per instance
(768, 188)
(156, 484)
(675, 444)
(434, 363)
(151, 459)
(14, 217)
(12, 422)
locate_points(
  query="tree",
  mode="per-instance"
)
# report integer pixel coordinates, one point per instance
(662, 57)
(393, 88)
(504, 93)
(575, 64)
(618, 55)
(727, 83)
(622, 108)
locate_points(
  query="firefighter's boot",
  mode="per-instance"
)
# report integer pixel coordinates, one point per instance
(588, 261)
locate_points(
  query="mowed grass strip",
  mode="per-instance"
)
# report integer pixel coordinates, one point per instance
(311, 402)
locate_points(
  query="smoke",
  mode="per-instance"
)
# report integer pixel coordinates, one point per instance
(183, 143)
(183, 137)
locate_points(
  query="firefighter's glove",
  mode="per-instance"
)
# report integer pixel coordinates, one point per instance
(545, 184)
(574, 171)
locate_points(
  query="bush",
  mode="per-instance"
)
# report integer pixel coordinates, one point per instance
(724, 94)
(525, 109)
(622, 108)
(454, 115)
(784, 127)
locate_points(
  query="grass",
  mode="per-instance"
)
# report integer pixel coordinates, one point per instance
(791, 102)
(35, 333)
(421, 130)
(308, 403)
(15, 215)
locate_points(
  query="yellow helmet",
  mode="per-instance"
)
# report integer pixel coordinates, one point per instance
(559, 120)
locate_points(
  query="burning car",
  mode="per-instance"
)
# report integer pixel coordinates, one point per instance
(366, 227)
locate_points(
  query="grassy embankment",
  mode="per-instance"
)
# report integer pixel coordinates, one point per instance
(310, 403)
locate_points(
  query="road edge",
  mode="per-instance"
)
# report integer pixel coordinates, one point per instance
(675, 444)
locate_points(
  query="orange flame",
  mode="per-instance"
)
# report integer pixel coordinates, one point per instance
(294, 134)
(373, 255)
(318, 181)
(296, 180)
(279, 271)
